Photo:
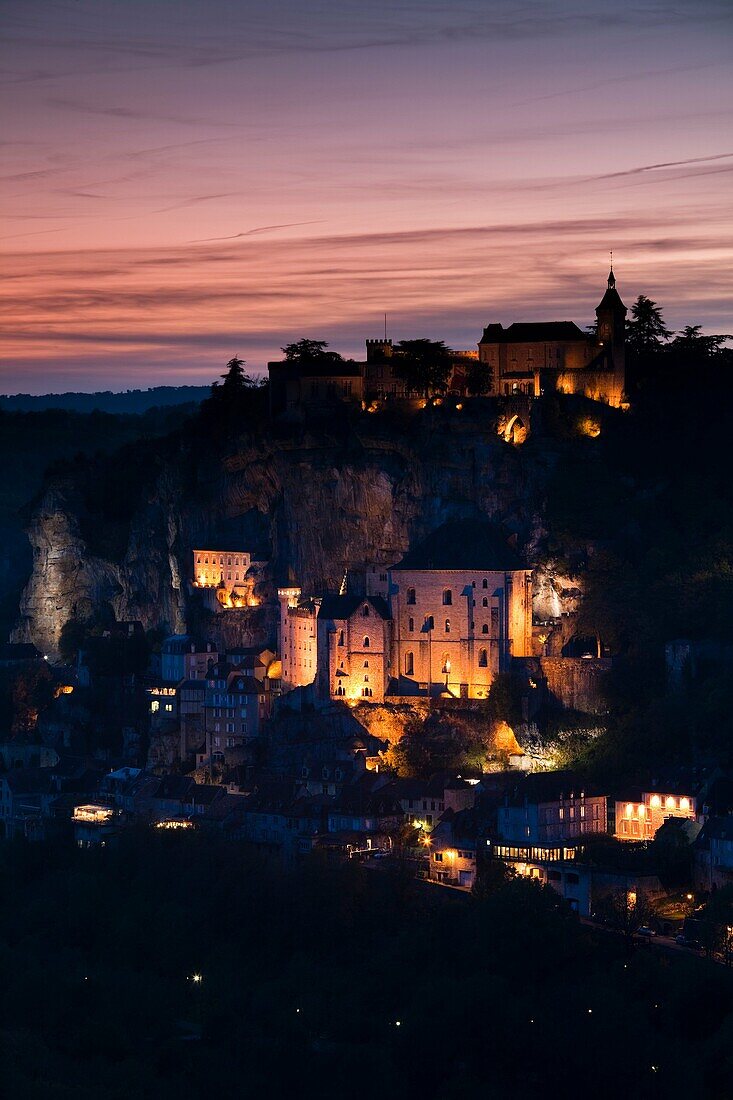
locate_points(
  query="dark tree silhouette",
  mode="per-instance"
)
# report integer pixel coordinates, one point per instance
(646, 331)
(310, 351)
(478, 378)
(424, 365)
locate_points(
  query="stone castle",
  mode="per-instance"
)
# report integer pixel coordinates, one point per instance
(527, 358)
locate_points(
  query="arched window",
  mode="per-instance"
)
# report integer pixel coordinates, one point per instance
(366, 679)
(365, 611)
(409, 664)
(446, 664)
(366, 664)
(411, 595)
(485, 583)
(447, 626)
(341, 638)
(430, 623)
(410, 624)
(483, 658)
(366, 642)
(485, 628)
(485, 601)
(447, 597)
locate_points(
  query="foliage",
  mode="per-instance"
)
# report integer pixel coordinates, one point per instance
(479, 378)
(309, 352)
(646, 330)
(424, 365)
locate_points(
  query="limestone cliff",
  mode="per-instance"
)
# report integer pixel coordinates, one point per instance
(316, 502)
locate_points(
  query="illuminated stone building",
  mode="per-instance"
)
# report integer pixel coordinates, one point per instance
(353, 647)
(297, 638)
(531, 357)
(229, 573)
(461, 606)
(640, 818)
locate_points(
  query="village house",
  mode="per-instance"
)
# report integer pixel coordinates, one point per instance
(235, 706)
(183, 658)
(452, 849)
(639, 818)
(713, 854)
(550, 810)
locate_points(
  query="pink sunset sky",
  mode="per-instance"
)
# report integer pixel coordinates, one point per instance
(183, 181)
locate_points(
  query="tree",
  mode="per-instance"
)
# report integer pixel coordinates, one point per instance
(479, 378)
(310, 351)
(424, 365)
(646, 330)
(691, 343)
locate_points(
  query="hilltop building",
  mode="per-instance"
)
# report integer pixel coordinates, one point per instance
(532, 357)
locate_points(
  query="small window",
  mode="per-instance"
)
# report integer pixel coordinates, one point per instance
(409, 664)
(447, 597)
(366, 642)
(410, 624)
(485, 583)
(447, 626)
(365, 611)
(485, 601)
(430, 623)
(341, 638)
(411, 595)
(366, 664)
(483, 658)
(485, 628)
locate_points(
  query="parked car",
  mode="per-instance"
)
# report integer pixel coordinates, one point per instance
(645, 930)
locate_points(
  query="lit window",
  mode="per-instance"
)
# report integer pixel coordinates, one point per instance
(447, 626)
(656, 800)
(684, 803)
(670, 803)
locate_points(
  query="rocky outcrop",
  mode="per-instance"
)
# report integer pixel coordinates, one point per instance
(322, 503)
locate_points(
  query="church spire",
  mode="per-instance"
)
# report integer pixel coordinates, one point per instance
(611, 276)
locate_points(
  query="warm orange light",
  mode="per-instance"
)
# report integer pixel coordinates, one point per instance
(684, 803)
(670, 802)
(656, 800)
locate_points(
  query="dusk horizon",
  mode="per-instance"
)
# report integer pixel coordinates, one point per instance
(178, 194)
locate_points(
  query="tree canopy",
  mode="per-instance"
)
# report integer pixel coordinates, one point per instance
(424, 365)
(310, 351)
(646, 331)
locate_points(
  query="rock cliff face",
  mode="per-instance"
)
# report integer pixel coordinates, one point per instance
(320, 504)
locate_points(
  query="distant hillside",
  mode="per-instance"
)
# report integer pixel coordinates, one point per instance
(129, 401)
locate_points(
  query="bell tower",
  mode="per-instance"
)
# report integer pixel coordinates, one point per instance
(611, 331)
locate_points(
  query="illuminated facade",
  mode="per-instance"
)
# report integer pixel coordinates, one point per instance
(462, 608)
(550, 809)
(229, 573)
(353, 647)
(527, 358)
(297, 638)
(640, 820)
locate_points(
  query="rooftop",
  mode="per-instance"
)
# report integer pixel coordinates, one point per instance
(531, 332)
(475, 544)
